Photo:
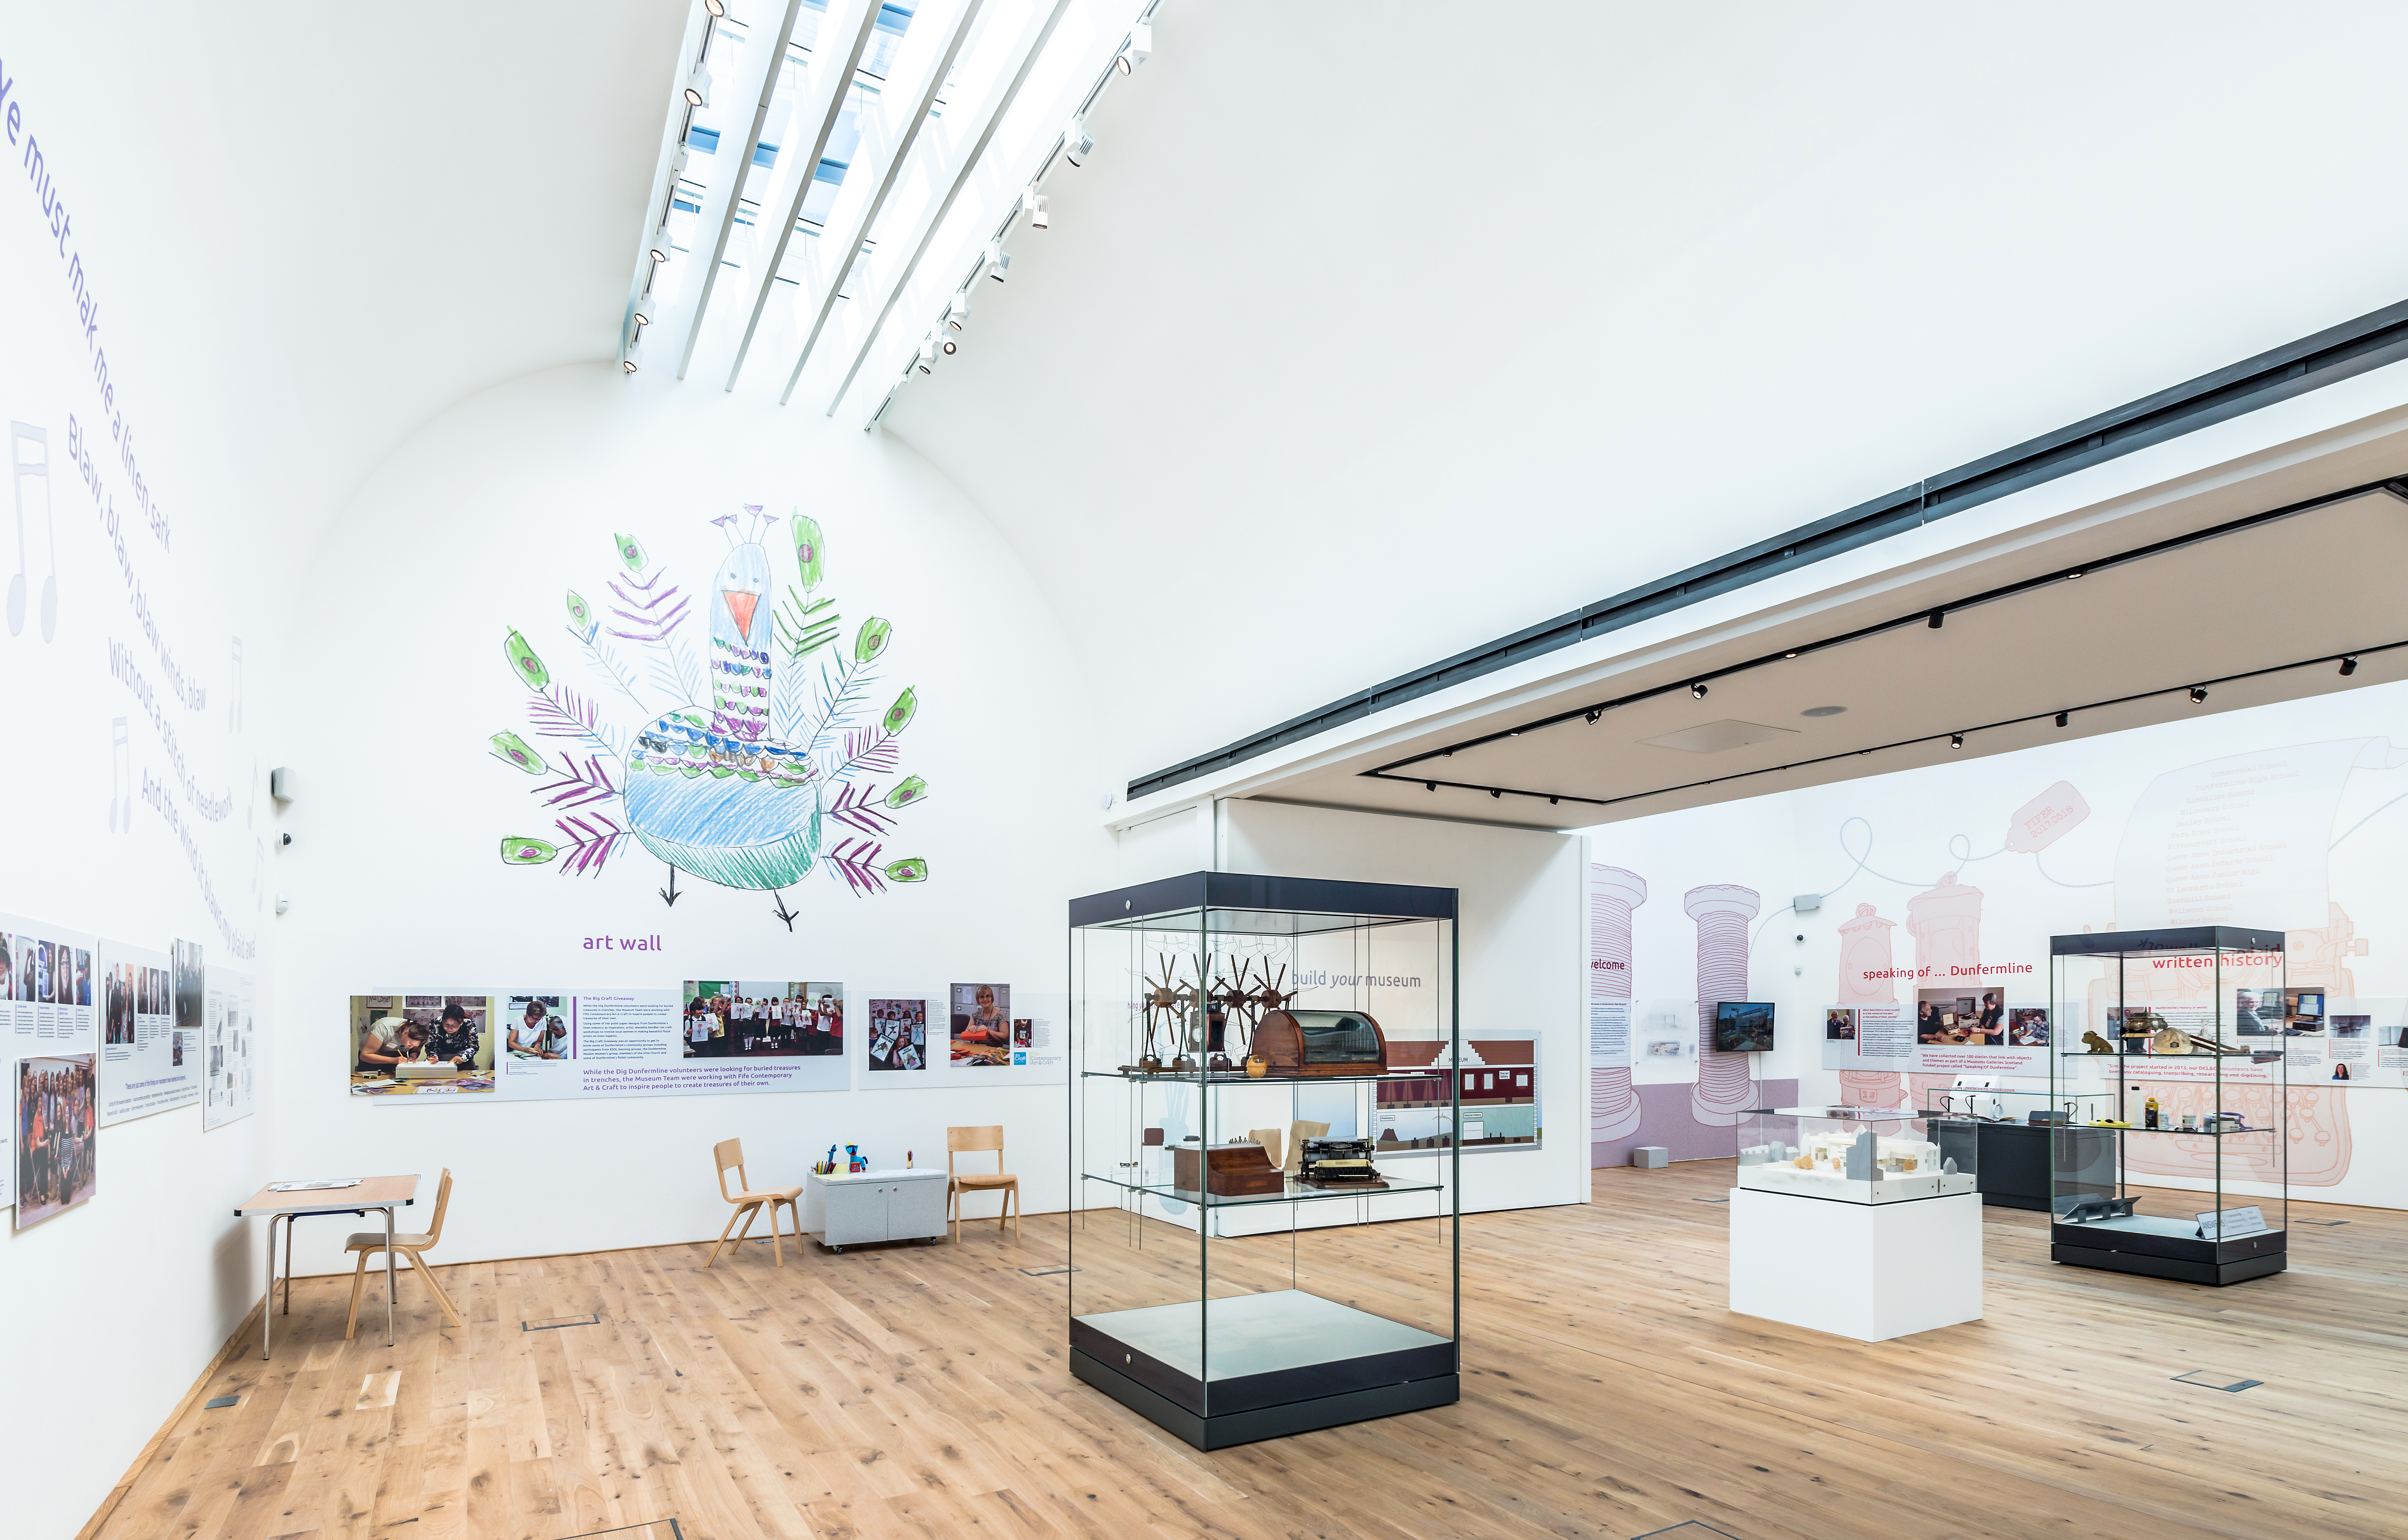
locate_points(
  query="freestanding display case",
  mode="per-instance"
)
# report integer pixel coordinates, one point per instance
(2185, 1172)
(1252, 1059)
(1851, 1221)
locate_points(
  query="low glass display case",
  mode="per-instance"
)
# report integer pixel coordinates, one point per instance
(2182, 1170)
(1261, 1068)
(1849, 1155)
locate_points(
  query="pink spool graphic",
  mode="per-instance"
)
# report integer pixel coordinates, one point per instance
(1726, 1083)
(1866, 961)
(1945, 921)
(1614, 1108)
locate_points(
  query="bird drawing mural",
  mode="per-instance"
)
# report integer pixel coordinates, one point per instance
(777, 772)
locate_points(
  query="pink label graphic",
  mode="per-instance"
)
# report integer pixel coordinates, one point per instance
(2041, 822)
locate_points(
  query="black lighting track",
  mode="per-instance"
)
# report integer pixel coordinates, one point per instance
(2295, 369)
(1928, 616)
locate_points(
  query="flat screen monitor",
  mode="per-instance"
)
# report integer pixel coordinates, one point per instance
(1743, 1026)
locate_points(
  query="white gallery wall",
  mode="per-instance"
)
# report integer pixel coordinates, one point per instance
(2291, 816)
(134, 664)
(479, 528)
(1519, 939)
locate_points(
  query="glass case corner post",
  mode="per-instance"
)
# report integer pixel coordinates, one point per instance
(1192, 1031)
(1453, 1205)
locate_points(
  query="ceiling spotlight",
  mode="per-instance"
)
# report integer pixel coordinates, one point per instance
(716, 8)
(1956, 740)
(1593, 716)
(952, 345)
(1493, 792)
(1033, 203)
(1789, 654)
(677, 163)
(927, 360)
(2064, 717)
(957, 312)
(1937, 615)
(999, 261)
(1431, 784)
(2349, 666)
(1077, 143)
(1553, 800)
(697, 88)
(1140, 48)
(2073, 574)
(1697, 690)
(2198, 694)
(660, 245)
(635, 355)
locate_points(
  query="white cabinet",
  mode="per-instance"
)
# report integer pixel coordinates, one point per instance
(874, 1205)
(1868, 1271)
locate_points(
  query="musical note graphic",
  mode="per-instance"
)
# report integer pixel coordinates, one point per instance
(24, 467)
(121, 778)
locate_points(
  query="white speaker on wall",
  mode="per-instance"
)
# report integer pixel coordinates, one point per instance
(280, 784)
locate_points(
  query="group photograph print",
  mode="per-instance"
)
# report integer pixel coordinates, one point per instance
(57, 1098)
(899, 1034)
(762, 1018)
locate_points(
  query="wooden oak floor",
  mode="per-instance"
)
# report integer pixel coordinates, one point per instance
(920, 1391)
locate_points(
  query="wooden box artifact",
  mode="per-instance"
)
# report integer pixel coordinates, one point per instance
(1321, 1042)
(1229, 1170)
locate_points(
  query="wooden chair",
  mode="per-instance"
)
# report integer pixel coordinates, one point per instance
(730, 1153)
(369, 1244)
(960, 1184)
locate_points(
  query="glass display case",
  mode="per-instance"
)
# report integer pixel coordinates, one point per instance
(2179, 1051)
(1849, 1155)
(1253, 1060)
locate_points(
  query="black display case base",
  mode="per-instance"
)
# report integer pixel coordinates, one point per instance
(2178, 1269)
(1248, 1427)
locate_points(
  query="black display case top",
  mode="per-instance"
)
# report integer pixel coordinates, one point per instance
(1239, 893)
(2188, 938)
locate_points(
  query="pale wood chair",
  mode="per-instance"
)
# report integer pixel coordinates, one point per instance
(960, 1184)
(369, 1244)
(729, 1153)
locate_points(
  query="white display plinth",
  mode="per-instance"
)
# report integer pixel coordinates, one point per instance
(1866, 1271)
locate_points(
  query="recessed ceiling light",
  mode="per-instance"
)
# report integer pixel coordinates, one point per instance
(1821, 711)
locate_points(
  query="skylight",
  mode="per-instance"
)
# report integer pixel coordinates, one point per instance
(834, 172)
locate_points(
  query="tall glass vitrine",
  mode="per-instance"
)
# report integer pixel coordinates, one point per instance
(2176, 1055)
(1252, 1059)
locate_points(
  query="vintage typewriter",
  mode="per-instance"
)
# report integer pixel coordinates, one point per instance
(1339, 1163)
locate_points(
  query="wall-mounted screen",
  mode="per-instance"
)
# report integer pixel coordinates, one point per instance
(1743, 1026)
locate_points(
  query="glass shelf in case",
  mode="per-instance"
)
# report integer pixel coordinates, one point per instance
(1215, 1282)
(2184, 1171)
(1844, 1154)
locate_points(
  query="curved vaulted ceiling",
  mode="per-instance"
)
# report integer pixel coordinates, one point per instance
(1372, 333)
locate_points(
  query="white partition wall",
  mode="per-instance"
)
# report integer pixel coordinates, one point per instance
(1522, 938)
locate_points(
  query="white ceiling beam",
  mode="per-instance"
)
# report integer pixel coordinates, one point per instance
(764, 56)
(963, 161)
(888, 144)
(844, 36)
